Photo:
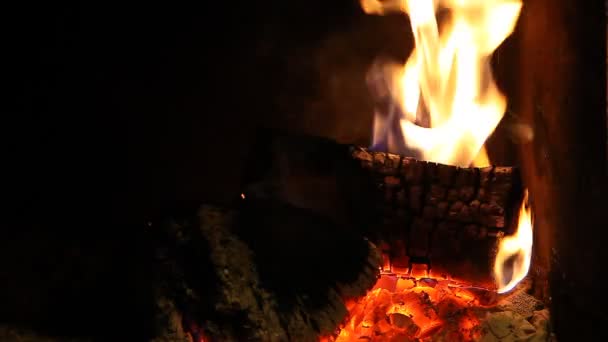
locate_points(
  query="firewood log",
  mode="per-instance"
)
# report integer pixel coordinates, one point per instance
(213, 285)
(444, 218)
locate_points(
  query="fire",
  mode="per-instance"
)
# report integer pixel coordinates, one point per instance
(416, 310)
(443, 104)
(515, 252)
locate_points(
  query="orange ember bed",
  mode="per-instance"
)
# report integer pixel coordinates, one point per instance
(405, 309)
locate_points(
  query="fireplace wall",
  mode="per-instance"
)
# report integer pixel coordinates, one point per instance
(562, 95)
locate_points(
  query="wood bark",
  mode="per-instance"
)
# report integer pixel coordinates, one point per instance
(213, 284)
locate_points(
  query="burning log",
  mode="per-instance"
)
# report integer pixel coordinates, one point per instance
(426, 216)
(444, 217)
(476, 196)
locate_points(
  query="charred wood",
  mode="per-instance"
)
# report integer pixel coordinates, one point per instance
(219, 285)
(439, 217)
(447, 218)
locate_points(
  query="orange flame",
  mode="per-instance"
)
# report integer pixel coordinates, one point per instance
(447, 80)
(512, 262)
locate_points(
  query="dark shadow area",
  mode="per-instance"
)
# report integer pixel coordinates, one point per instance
(119, 116)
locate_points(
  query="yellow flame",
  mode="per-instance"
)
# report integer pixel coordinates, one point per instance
(447, 81)
(515, 252)
(448, 77)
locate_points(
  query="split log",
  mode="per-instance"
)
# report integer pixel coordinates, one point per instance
(427, 215)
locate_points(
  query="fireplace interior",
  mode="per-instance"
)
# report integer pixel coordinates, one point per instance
(176, 180)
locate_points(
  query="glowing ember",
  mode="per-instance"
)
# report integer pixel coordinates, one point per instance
(446, 84)
(417, 309)
(515, 252)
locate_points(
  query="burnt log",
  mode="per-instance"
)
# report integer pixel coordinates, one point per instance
(425, 216)
(444, 218)
(215, 283)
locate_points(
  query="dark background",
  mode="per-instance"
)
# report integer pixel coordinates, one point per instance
(119, 108)
(117, 115)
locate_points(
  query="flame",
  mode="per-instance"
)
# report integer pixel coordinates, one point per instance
(443, 104)
(515, 252)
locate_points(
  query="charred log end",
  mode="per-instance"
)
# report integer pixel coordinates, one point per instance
(446, 217)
